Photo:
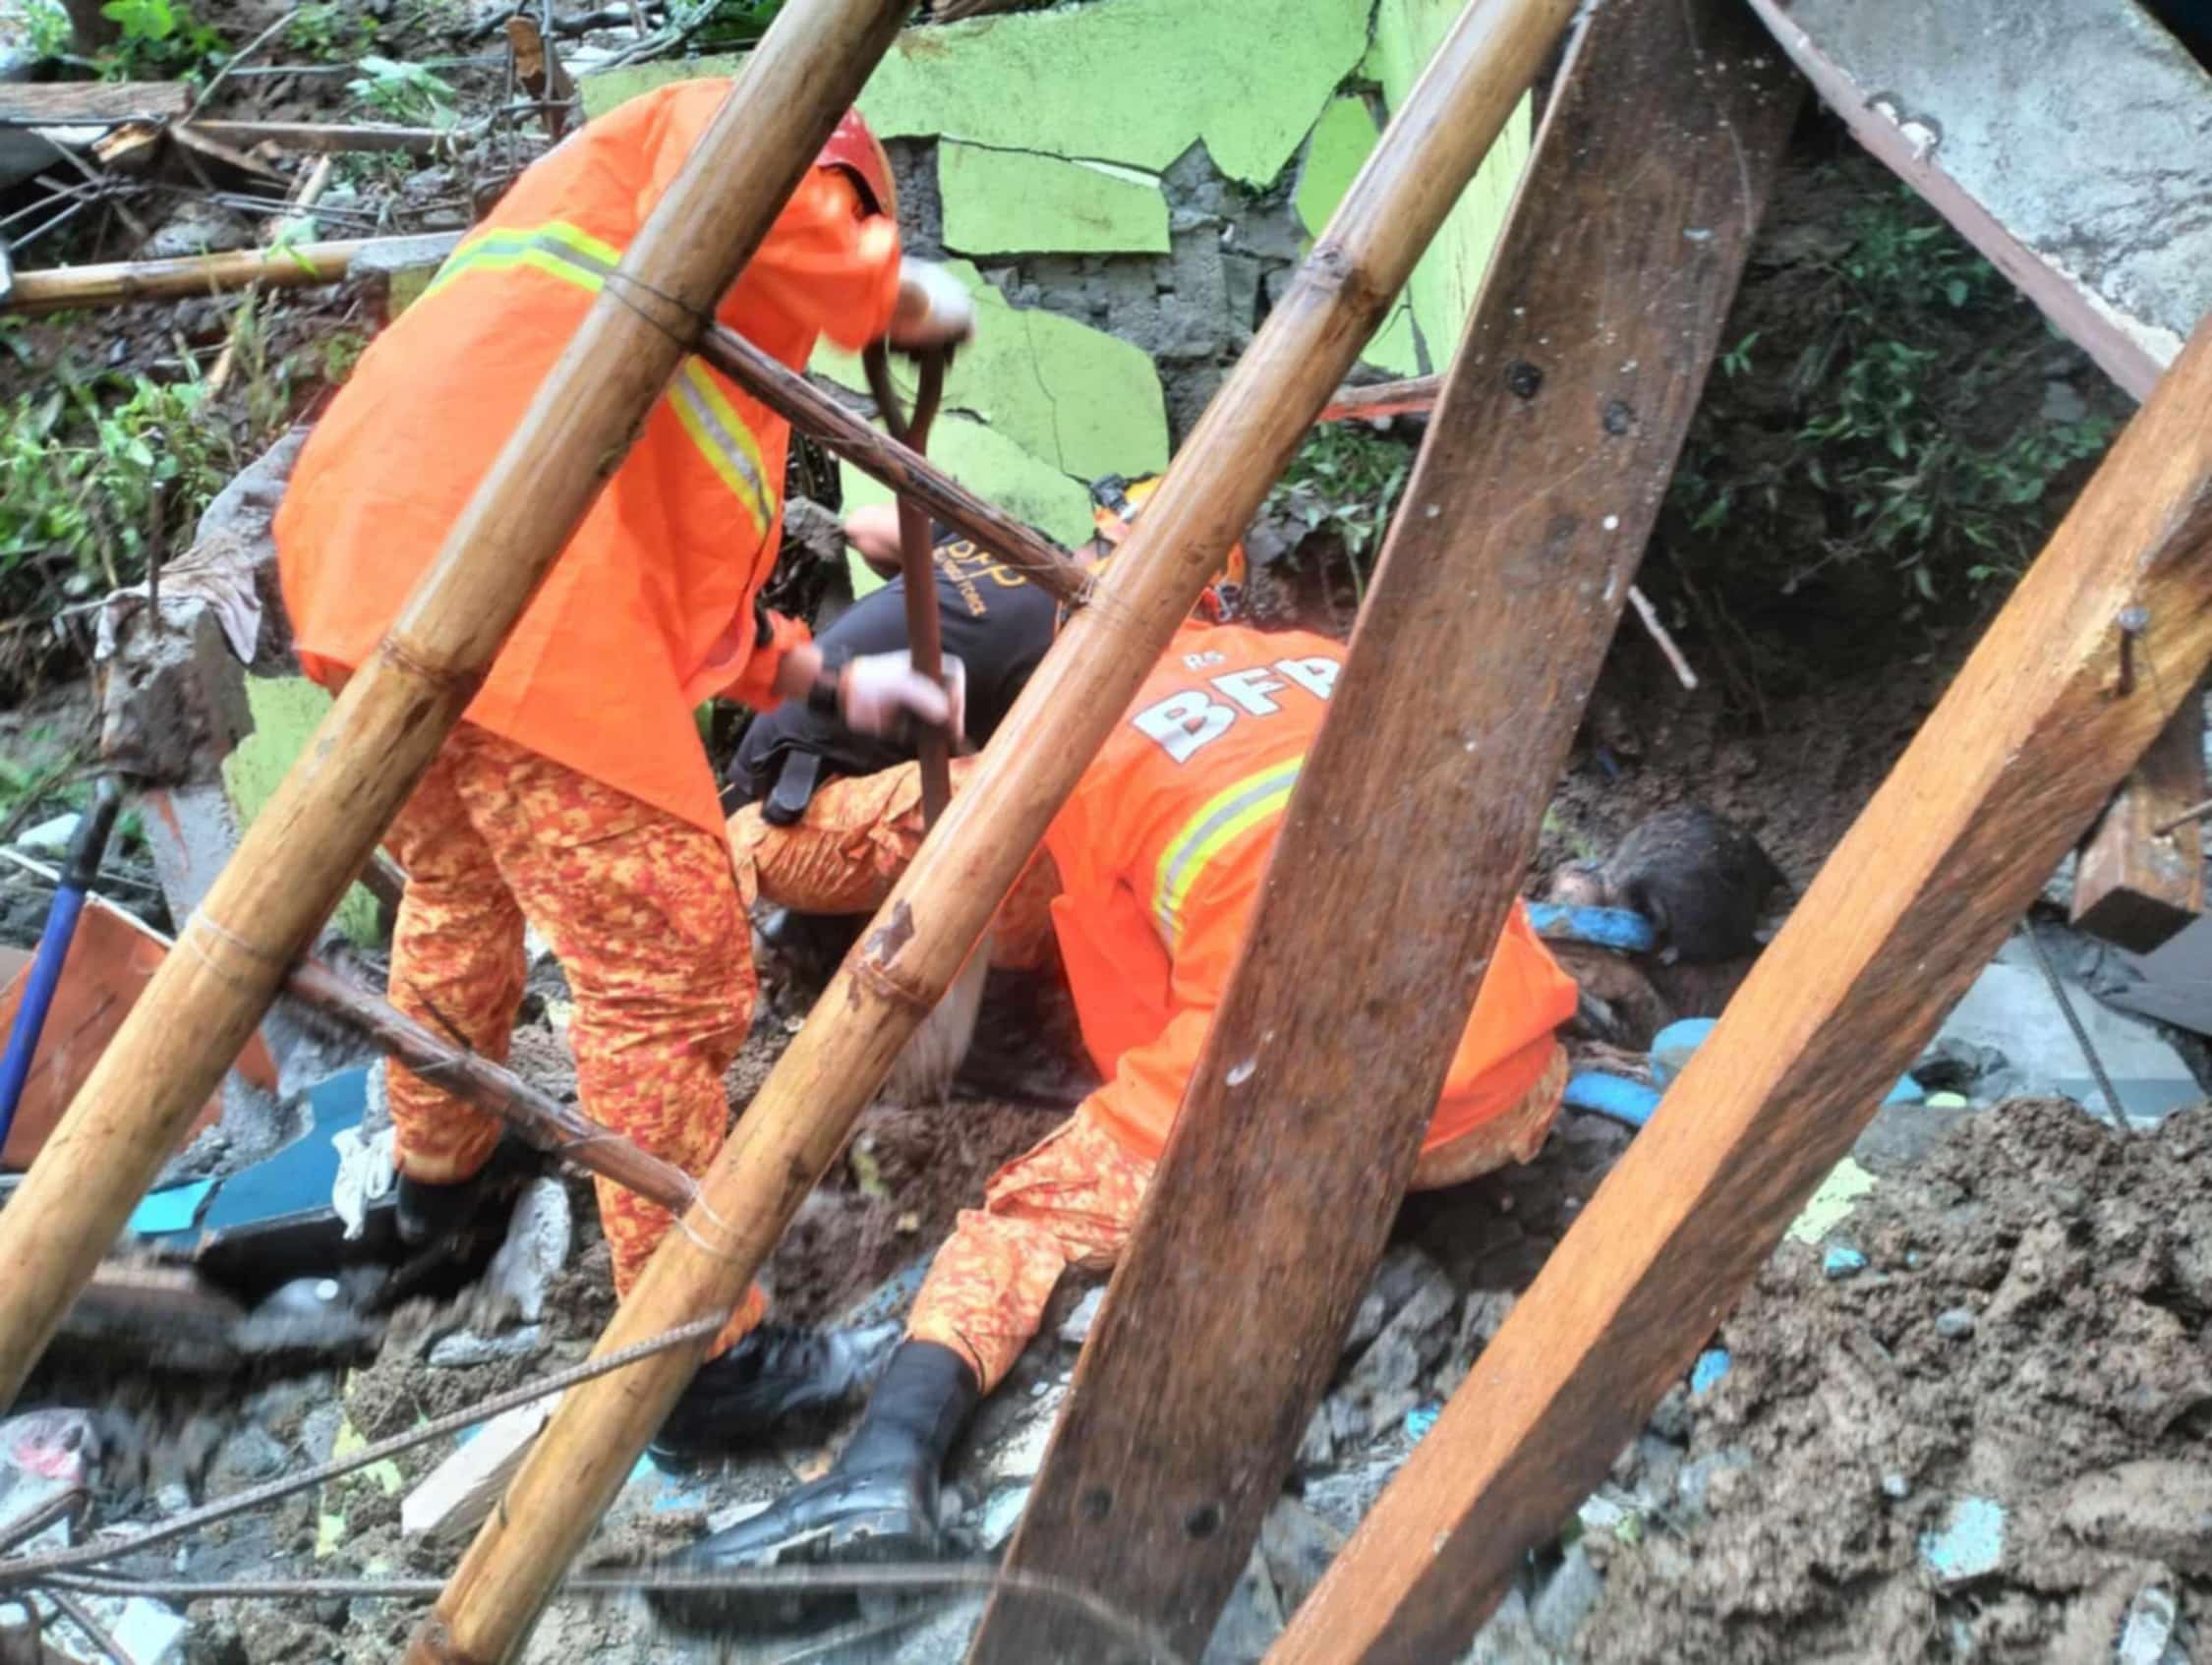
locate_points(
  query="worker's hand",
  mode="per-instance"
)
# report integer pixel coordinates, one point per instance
(882, 694)
(874, 532)
(934, 310)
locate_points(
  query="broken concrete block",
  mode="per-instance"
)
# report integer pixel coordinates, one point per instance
(539, 1233)
(1251, 1620)
(1299, 1546)
(1568, 1599)
(2010, 1009)
(402, 268)
(2071, 183)
(1086, 402)
(1075, 1330)
(1020, 203)
(1971, 1543)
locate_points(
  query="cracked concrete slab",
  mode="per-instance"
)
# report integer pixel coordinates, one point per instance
(2072, 143)
(1023, 202)
(1336, 149)
(992, 464)
(1444, 283)
(1075, 399)
(1119, 80)
(286, 710)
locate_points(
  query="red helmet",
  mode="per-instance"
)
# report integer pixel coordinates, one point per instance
(854, 150)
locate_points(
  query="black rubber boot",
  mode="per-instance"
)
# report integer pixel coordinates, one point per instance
(427, 1214)
(879, 1503)
(775, 1372)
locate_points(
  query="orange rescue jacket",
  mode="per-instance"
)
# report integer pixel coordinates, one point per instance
(650, 609)
(1161, 851)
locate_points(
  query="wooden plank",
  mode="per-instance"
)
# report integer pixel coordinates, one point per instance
(1525, 516)
(2141, 878)
(2018, 756)
(89, 103)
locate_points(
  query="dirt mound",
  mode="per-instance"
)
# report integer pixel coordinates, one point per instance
(1988, 1444)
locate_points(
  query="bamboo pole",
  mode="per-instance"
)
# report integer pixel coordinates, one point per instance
(903, 963)
(314, 835)
(65, 288)
(906, 471)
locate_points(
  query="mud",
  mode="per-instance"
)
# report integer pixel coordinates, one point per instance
(2029, 1332)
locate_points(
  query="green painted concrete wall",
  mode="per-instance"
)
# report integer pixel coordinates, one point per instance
(285, 712)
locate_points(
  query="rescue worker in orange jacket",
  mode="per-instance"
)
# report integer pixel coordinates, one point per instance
(1159, 855)
(575, 792)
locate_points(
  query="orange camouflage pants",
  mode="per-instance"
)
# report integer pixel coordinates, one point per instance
(857, 835)
(1072, 1201)
(640, 909)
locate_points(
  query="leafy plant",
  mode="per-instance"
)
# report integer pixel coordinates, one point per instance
(83, 482)
(160, 37)
(47, 29)
(733, 24)
(1906, 427)
(1347, 479)
(325, 31)
(406, 93)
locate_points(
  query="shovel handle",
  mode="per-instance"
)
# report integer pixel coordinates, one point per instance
(925, 642)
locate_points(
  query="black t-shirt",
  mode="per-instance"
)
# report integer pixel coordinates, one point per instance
(996, 621)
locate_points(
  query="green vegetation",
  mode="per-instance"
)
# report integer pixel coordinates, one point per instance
(156, 39)
(88, 473)
(1905, 399)
(1346, 480)
(160, 38)
(406, 93)
(325, 31)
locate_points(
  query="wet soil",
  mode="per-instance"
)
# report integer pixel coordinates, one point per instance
(2029, 1332)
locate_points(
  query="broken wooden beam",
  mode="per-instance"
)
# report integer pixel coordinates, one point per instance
(2023, 749)
(1544, 469)
(395, 713)
(1383, 399)
(65, 288)
(802, 1115)
(90, 104)
(324, 139)
(2140, 879)
(544, 1121)
(820, 417)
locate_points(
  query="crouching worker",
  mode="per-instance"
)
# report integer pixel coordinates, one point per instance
(826, 870)
(575, 792)
(1160, 854)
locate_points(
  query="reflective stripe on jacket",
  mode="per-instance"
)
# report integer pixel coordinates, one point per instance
(650, 609)
(1161, 851)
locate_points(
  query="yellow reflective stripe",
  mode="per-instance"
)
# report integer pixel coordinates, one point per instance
(556, 249)
(573, 255)
(724, 439)
(1223, 819)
